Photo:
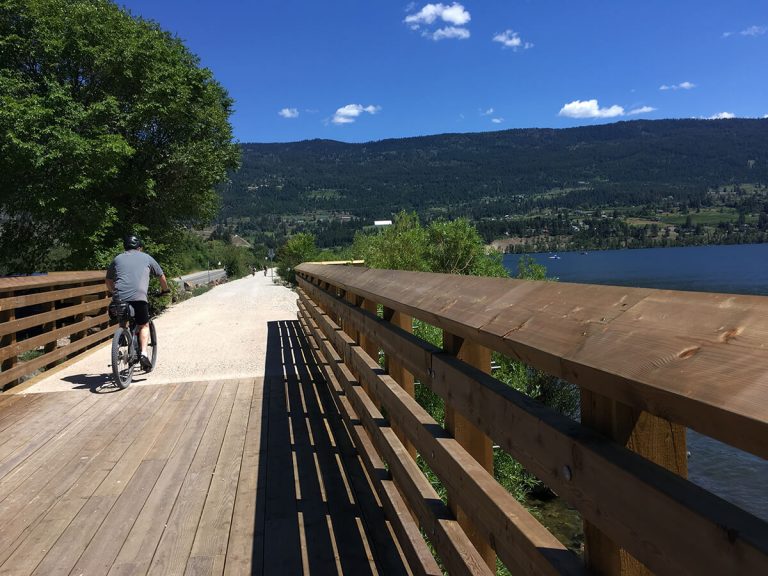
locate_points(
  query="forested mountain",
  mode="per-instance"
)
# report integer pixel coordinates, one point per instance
(477, 174)
(484, 175)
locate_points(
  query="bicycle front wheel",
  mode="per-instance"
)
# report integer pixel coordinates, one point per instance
(152, 344)
(122, 367)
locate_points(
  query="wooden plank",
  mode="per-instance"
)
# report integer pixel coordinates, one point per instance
(62, 556)
(51, 279)
(397, 371)
(129, 484)
(682, 525)
(653, 438)
(176, 542)
(19, 324)
(30, 443)
(101, 453)
(471, 438)
(419, 557)
(689, 350)
(328, 437)
(139, 546)
(546, 442)
(70, 454)
(240, 550)
(50, 296)
(48, 337)
(278, 533)
(211, 537)
(455, 549)
(520, 540)
(46, 359)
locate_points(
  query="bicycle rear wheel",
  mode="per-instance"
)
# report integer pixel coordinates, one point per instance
(122, 367)
(152, 344)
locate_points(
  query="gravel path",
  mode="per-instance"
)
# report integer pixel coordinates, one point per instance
(220, 334)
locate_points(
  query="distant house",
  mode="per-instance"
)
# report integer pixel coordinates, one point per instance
(240, 242)
(382, 222)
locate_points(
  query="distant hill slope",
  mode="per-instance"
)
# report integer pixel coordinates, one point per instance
(480, 174)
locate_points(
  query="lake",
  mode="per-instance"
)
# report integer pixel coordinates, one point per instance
(730, 473)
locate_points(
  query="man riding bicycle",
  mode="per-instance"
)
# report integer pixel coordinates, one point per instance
(128, 281)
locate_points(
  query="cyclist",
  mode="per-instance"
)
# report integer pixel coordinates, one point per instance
(128, 281)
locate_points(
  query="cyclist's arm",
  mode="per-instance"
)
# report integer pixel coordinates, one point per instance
(110, 286)
(164, 283)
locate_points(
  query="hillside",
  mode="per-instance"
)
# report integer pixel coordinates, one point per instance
(484, 175)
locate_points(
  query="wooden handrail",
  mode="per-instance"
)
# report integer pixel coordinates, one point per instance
(36, 312)
(663, 354)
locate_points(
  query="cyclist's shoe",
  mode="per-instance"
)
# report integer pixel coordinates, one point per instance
(146, 363)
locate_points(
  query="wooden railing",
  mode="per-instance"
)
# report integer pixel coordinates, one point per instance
(648, 364)
(57, 315)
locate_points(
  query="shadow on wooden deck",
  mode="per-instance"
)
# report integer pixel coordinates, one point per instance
(316, 511)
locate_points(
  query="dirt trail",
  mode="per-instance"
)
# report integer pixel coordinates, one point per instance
(220, 334)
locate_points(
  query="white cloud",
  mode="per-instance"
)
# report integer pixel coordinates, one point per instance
(722, 116)
(681, 86)
(754, 31)
(447, 33)
(511, 39)
(289, 113)
(751, 31)
(486, 112)
(497, 120)
(455, 15)
(349, 113)
(641, 110)
(589, 109)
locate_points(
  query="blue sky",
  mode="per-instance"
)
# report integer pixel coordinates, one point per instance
(362, 70)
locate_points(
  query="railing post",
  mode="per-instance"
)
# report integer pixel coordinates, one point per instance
(8, 340)
(366, 343)
(655, 439)
(50, 307)
(396, 369)
(470, 437)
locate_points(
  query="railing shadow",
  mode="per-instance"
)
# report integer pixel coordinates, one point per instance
(315, 510)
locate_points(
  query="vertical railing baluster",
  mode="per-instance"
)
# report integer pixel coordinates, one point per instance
(397, 371)
(654, 438)
(469, 436)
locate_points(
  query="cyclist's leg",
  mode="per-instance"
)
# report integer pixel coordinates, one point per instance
(141, 310)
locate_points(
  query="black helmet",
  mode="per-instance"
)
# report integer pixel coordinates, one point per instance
(132, 242)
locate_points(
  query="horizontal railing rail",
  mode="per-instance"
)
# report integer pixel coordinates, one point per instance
(648, 363)
(48, 318)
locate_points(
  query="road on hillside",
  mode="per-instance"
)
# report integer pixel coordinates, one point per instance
(220, 334)
(204, 277)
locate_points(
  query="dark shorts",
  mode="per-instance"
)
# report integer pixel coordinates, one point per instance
(140, 311)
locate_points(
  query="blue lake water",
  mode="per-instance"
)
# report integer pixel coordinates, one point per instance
(742, 269)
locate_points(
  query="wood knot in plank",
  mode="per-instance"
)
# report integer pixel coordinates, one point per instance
(689, 352)
(729, 335)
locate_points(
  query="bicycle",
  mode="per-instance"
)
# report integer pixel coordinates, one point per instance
(125, 343)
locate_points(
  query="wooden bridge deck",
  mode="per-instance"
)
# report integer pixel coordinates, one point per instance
(249, 476)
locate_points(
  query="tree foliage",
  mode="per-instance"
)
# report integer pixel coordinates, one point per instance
(452, 247)
(299, 248)
(107, 124)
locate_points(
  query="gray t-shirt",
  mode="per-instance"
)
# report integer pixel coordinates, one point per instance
(130, 271)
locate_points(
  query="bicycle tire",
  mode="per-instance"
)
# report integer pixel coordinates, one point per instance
(152, 344)
(122, 368)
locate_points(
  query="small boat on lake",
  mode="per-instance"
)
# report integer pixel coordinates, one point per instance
(554, 257)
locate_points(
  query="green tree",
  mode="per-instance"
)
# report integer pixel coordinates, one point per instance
(299, 248)
(401, 246)
(455, 247)
(107, 124)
